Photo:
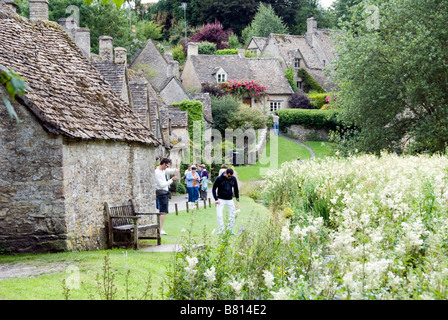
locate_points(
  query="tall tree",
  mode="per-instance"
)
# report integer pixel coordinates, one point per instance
(264, 23)
(233, 14)
(392, 71)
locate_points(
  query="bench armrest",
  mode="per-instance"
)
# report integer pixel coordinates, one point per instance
(149, 213)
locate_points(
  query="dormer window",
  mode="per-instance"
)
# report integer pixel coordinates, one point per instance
(297, 63)
(221, 77)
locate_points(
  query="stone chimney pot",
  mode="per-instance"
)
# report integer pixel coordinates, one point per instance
(106, 49)
(193, 49)
(38, 10)
(120, 55)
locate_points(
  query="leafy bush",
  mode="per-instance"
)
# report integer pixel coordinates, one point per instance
(222, 109)
(316, 119)
(212, 32)
(247, 117)
(289, 73)
(309, 83)
(206, 47)
(317, 100)
(234, 42)
(179, 54)
(299, 100)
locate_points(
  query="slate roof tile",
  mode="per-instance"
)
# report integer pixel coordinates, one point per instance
(68, 95)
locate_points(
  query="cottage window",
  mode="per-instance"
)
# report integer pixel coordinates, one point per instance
(275, 105)
(297, 63)
(221, 77)
(300, 85)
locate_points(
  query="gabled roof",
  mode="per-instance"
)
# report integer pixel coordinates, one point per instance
(288, 45)
(266, 71)
(68, 95)
(151, 56)
(259, 42)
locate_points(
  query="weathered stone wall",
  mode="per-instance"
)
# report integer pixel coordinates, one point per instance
(32, 214)
(102, 171)
(303, 134)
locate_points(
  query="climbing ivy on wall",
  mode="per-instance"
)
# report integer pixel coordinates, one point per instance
(195, 113)
(309, 83)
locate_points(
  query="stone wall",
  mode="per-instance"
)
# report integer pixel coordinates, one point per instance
(303, 134)
(32, 213)
(102, 171)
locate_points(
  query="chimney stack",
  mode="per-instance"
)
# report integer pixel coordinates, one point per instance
(120, 55)
(193, 49)
(241, 53)
(12, 5)
(38, 10)
(82, 39)
(106, 50)
(311, 24)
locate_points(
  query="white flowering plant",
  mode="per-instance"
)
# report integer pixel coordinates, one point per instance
(361, 227)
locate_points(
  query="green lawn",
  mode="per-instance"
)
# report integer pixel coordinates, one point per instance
(287, 151)
(142, 265)
(321, 149)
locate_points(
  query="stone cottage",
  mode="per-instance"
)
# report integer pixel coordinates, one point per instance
(78, 144)
(200, 69)
(313, 52)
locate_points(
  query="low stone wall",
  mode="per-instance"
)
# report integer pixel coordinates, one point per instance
(303, 134)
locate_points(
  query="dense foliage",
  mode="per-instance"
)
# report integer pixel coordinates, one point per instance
(317, 119)
(393, 74)
(309, 83)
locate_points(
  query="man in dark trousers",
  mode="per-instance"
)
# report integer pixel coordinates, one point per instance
(226, 185)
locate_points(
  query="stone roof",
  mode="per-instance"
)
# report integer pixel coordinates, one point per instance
(68, 95)
(178, 117)
(259, 69)
(288, 45)
(259, 42)
(151, 56)
(113, 73)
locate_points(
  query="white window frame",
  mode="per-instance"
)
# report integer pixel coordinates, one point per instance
(221, 77)
(275, 105)
(297, 63)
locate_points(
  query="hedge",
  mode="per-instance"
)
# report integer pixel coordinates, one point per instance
(224, 52)
(308, 118)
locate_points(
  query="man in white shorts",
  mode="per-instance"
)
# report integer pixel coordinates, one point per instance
(227, 185)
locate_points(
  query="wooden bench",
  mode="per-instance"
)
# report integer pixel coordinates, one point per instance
(123, 219)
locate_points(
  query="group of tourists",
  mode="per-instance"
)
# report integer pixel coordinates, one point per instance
(196, 178)
(224, 189)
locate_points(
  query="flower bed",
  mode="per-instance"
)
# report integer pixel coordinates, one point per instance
(362, 227)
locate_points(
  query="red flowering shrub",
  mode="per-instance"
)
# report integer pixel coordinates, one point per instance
(245, 87)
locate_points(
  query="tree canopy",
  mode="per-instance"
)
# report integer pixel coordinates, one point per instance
(392, 73)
